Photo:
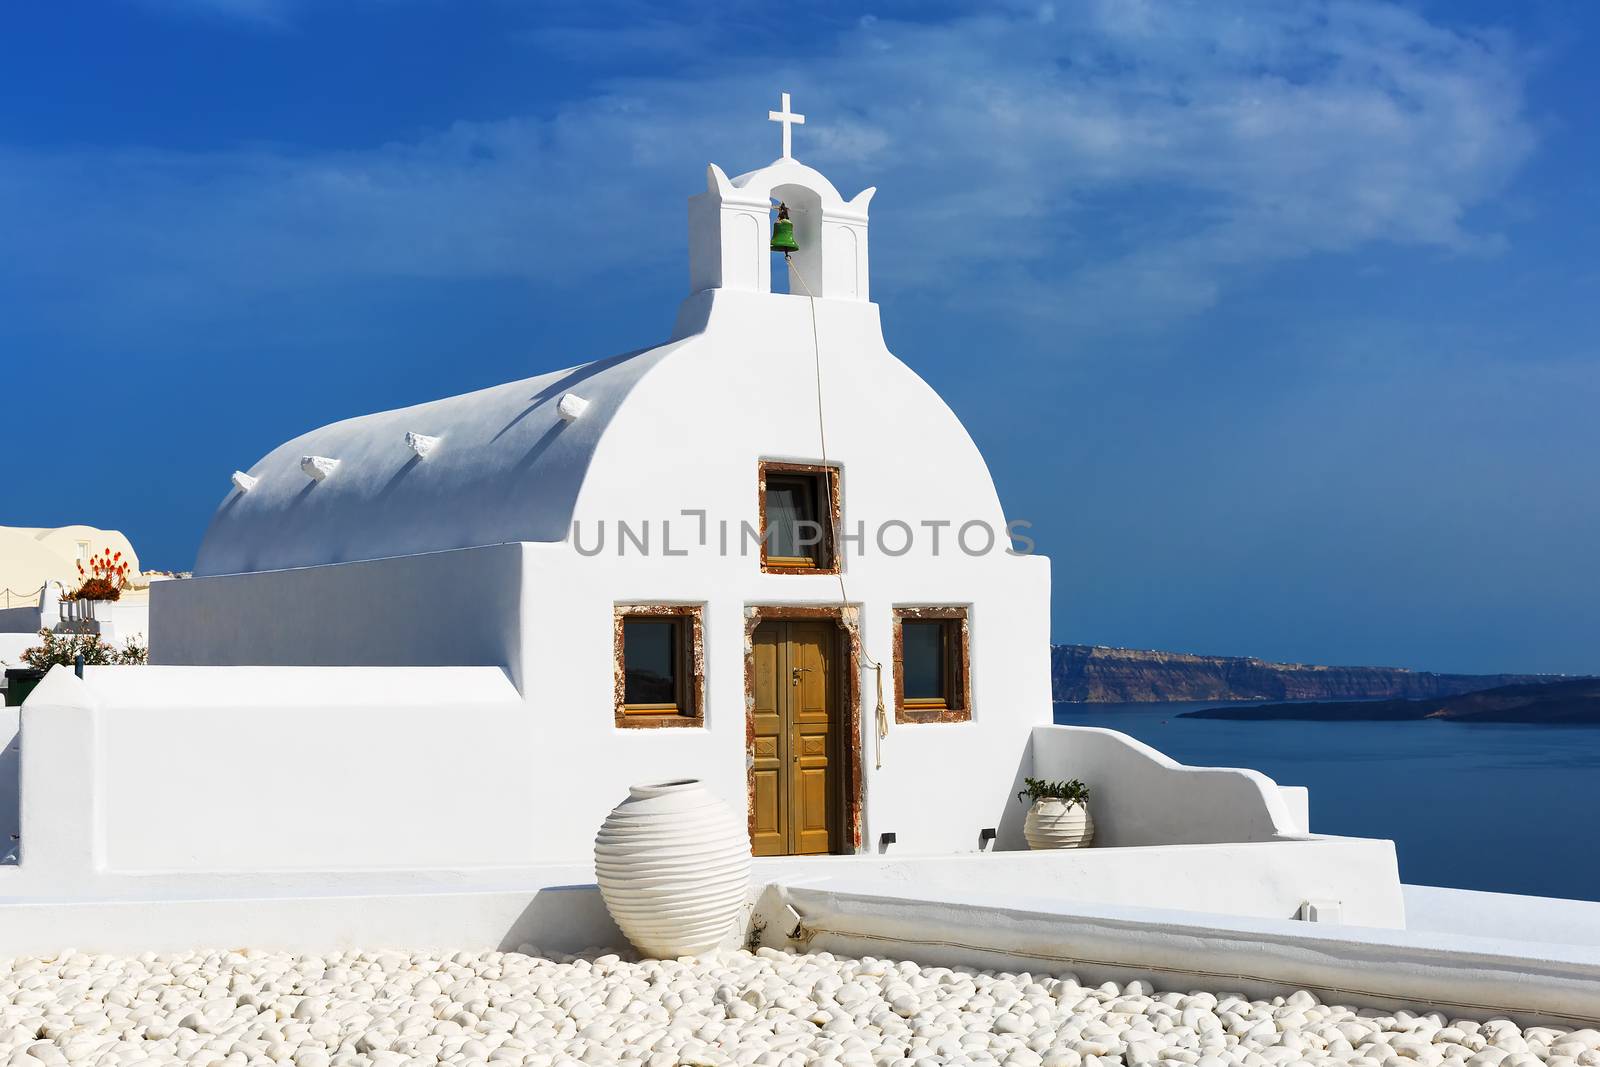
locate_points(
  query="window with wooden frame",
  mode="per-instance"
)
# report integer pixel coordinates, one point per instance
(799, 511)
(660, 678)
(932, 673)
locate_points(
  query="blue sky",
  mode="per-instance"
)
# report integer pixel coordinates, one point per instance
(1279, 322)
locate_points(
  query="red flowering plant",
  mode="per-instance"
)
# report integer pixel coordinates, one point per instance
(103, 579)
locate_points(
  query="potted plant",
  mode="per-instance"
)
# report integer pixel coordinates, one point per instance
(107, 573)
(1058, 814)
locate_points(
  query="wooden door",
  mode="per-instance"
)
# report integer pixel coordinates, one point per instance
(797, 764)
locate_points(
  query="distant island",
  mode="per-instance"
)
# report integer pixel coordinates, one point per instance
(1572, 701)
(1098, 675)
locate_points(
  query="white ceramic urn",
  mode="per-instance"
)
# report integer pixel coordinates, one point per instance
(673, 863)
(1053, 823)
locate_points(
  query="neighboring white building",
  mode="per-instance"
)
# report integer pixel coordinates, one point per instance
(38, 565)
(31, 557)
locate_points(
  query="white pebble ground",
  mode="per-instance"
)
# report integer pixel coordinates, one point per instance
(390, 1009)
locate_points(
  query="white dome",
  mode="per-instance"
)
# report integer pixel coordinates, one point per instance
(506, 466)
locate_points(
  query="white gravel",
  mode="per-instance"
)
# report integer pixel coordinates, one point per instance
(391, 1009)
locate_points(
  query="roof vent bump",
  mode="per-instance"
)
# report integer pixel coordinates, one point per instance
(572, 407)
(318, 467)
(243, 482)
(421, 443)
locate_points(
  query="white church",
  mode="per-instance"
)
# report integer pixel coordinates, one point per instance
(690, 559)
(427, 650)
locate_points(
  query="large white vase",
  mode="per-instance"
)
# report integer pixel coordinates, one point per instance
(1052, 823)
(673, 863)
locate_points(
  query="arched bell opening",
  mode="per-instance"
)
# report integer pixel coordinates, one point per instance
(805, 212)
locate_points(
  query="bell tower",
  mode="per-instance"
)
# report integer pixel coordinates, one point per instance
(730, 228)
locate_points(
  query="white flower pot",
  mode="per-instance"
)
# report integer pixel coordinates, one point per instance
(673, 863)
(1051, 823)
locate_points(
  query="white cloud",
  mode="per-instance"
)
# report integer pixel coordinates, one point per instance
(1114, 160)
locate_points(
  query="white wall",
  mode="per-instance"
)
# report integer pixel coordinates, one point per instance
(124, 619)
(559, 916)
(460, 608)
(256, 769)
(1262, 879)
(1509, 915)
(13, 645)
(10, 779)
(427, 780)
(1139, 796)
(25, 621)
(419, 782)
(1462, 974)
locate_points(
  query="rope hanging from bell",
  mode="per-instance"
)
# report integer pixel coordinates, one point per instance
(783, 232)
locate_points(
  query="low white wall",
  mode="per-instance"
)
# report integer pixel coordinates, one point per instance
(122, 620)
(260, 769)
(1138, 796)
(1268, 879)
(460, 608)
(557, 917)
(1466, 976)
(1543, 919)
(283, 771)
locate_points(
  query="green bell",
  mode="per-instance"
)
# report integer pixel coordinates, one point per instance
(783, 233)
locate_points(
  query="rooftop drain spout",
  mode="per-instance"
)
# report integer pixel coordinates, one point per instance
(421, 443)
(317, 468)
(571, 407)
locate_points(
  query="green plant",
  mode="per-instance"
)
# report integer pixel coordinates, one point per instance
(1073, 792)
(64, 649)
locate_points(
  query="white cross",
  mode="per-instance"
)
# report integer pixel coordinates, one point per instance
(788, 118)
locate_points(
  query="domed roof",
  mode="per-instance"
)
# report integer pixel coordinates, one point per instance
(506, 466)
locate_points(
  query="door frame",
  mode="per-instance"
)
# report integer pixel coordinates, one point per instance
(846, 618)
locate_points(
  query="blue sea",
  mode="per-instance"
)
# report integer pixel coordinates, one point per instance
(1510, 809)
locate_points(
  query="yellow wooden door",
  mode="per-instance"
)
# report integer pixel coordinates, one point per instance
(796, 770)
(812, 768)
(769, 809)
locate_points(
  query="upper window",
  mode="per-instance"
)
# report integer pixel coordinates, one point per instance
(658, 652)
(799, 511)
(930, 665)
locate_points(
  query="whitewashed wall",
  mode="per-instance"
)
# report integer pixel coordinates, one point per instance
(24, 621)
(460, 608)
(1139, 796)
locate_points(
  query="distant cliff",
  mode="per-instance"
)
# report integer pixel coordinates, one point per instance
(1098, 675)
(1569, 702)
